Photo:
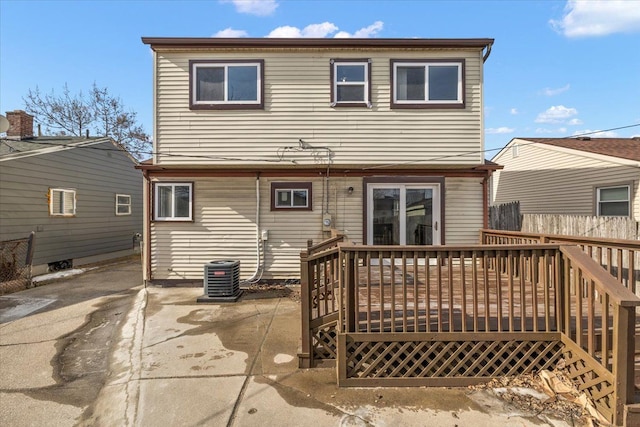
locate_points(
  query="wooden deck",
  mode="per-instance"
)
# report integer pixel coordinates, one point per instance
(451, 316)
(425, 298)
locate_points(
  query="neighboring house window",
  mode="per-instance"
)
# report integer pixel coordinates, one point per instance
(123, 204)
(350, 82)
(62, 202)
(427, 84)
(291, 196)
(613, 201)
(515, 151)
(173, 201)
(226, 84)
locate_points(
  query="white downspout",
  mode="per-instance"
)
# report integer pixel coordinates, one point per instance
(258, 273)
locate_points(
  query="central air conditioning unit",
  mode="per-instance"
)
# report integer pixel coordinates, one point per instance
(221, 281)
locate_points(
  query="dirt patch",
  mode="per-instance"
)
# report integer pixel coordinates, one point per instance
(516, 392)
(272, 290)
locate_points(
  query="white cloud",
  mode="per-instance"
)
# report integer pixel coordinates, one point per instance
(585, 18)
(325, 29)
(556, 114)
(514, 111)
(575, 122)
(596, 133)
(230, 32)
(254, 7)
(500, 130)
(314, 30)
(370, 31)
(552, 92)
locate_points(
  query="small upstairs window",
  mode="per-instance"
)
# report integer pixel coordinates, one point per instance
(62, 202)
(427, 84)
(226, 84)
(350, 83)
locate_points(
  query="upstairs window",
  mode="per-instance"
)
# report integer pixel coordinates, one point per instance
(613, 201)
(226, 84)
(123, 204)
(173, 201)
(427, 84)
(291, 196)
(350, 83)
(62, 202)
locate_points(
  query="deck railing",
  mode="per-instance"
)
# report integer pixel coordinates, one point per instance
(621, 258)
(319, 273)
(598, 327)
(449, 289)
(448, 316)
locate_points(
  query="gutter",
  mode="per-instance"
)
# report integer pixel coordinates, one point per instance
(488, 52)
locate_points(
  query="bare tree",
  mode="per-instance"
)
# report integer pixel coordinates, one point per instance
(111, 119)
(64, 114)
(100, 113)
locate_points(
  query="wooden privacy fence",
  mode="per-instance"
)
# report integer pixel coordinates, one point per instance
(455, 316)
(621, 258)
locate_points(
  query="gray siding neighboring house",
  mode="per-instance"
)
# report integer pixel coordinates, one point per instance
(570, 176)
(69, 191)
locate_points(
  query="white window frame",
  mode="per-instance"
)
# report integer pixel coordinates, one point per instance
(627, 200)
(225, 65)
(63, 206)
(156, 201)
(427, 64)
(515, 151)
(365, 83)
(291, 187)
(127, 205)
(290, 191)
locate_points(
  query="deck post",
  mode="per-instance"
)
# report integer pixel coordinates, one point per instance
(305, 357)
(623, 358)
(350, 292)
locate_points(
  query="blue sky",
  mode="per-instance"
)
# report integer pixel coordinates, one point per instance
(557, 68)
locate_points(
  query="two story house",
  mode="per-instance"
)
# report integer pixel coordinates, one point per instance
(262, 144)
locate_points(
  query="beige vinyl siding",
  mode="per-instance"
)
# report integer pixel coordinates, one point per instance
(224, 224)
(297, 105)
(463, 210)
(223, 228)
(559, 181)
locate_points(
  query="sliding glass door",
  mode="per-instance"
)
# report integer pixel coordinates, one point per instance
(403, 214)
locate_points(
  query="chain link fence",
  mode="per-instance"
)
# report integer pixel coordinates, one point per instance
(15, 264)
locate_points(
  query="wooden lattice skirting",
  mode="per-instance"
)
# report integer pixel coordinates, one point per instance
(442, 359)
(324, 337)
(592, 378)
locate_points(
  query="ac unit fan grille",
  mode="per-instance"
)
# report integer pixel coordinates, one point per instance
(222, 280)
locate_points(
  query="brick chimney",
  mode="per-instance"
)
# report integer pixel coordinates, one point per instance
(20, 125)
